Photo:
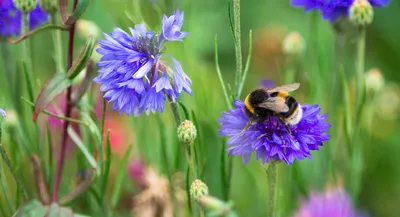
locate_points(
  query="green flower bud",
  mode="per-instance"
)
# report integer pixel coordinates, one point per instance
(187, 132)
(293, 44)
(50, 6)
(198, 189)
(361, 13)
(374, 80)
(25, 6)
(88, 28)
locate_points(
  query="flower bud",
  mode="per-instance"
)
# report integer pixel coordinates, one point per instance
(293, 44)
(361, 13)
(25, 6)
(374, 80)
(198, 189)
(187, 132)
(88, 28)
(50, 6)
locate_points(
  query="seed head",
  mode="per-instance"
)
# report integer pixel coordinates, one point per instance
(361, 13)
(187, 132)
(198, 189)
(50, 6)
(25, 6)
(293, 44)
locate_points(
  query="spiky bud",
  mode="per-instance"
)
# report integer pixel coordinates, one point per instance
(293, 44)
(198, 189)
(50, 6)
(25, 6)
(187, 132)
(361, 13)
(88, 28)
(374, 80)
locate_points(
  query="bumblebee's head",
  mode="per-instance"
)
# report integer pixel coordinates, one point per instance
(254, 98)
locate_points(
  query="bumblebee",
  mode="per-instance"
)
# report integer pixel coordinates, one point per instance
(264, 103)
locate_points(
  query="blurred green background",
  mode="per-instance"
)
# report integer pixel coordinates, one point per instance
(271, 21)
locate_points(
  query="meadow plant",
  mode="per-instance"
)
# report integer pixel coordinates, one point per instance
(86, 134)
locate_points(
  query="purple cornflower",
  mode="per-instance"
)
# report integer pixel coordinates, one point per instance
(271, 141)
(11, 18)
(333, 9)
(132, 73)
(3, 113)
(333, 203)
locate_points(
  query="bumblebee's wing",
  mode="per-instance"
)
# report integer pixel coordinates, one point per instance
(276, 104)
(285, 88)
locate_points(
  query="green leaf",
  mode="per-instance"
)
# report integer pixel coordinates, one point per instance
(74, 136)
(80, 8)
(120, 178)
(56, 211)
(52, 89)
(32, 208)
(185, 110)
(83, 58)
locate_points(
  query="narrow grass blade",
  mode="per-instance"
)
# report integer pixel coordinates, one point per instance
(74, 136)
(107, 168)
(120, 178)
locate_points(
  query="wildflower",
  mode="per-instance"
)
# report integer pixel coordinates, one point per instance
(3, 113)
(332, 203)
(155, 200)
(333, 9)
(132, 73)
(270, 140)
(187, 132)
(293, 44)
(198, 189)
(11, 18)
(267, 83)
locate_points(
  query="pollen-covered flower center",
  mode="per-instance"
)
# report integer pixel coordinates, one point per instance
(147, 45)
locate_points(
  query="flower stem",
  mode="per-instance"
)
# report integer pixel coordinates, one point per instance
(272, 175)
(360, 65)
(11, 168)
(27, 56)
(57, 40)
(60, 163)
(6, 57)
(238, 47)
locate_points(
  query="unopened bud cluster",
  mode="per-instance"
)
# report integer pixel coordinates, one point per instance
(361, 13)
(187, 132)
(293, 44)
(25, 6)
(50, 6)
(198, 189)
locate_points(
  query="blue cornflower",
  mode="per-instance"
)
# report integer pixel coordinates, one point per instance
(332, 203)
(11, 18)
(333, 9)
(3, 113)
(271, 141)
(133, 73)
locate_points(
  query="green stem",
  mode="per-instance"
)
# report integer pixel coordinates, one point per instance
(7, 61)
(103, 119)
(27, 55)
(221, 80)
(272, 175)
(57, 40)
(6, 191)
(238, 47)
(360, 65)
(175, 112)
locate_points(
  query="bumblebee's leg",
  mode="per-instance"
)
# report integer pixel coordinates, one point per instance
(286, 126)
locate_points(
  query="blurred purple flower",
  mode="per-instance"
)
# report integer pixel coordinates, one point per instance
(271, 141)
(11, 18)
(333, 9)
(3, 113)
(132, 74)
(333, 203)
(267, 83)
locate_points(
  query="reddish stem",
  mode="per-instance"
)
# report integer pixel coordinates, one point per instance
(61, 159)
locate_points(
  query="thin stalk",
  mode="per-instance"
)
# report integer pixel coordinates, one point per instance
(11, 168)
(175, 112)
(360, 65)
(221, 80)
(27, 55)
(57, 40)
(5, 190)
(60, 163)
(103, 117)
(247, 67)
(272, 175)
(6, 57)
(238, 47)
